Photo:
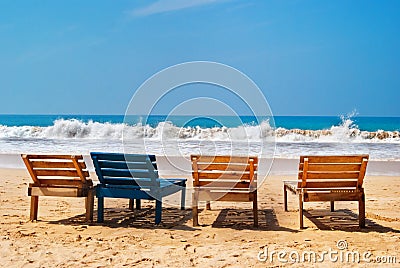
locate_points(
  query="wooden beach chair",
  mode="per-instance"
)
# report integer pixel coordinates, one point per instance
(329, 178)
(58, 175)
(133, 176)
(224, 178)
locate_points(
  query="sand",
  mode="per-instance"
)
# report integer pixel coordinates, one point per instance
(226, 238)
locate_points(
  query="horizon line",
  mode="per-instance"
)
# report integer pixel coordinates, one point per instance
(114, 114)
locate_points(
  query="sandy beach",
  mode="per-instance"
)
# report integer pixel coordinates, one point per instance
(226, 237)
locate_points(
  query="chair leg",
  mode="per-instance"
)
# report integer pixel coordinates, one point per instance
(138, 204)
(208, 205)
(100, 209)
(255, 209)
(332, 206)
(285, 197)
(89, 203)
(131, 203)
(361, 211)
(34, 208)
(195, 212)
(301, 210)
(183, 197)
(158, 210)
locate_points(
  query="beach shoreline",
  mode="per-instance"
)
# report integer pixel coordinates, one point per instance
(225, 238)
(181, 166)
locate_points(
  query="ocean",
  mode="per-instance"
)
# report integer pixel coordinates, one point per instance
(280, 137)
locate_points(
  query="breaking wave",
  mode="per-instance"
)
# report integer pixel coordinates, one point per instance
(347, 131)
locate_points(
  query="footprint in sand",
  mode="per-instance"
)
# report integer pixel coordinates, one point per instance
(62, 205)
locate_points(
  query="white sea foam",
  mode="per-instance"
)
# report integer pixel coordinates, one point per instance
(75, 136)
(346, 132)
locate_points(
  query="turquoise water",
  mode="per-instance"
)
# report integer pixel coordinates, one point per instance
(287, 122)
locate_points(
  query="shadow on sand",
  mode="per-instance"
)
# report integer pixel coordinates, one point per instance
(344, 220)
(172, 218)
(240, 219)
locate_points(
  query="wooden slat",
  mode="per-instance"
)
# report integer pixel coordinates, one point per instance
(222, 159)
(224, 175)
(52, 172)
(363, 169)
(331, 167)
(78, 169)
(225, 184)
(334, 159)
(114, 164)
(231, 167)
(305, 174)
(109, 156)
(54, 191)
(123, 157)
(135, 157)
(291, 186)
(128, 173)
(195, 173)
(333, 175)
(54, 164)
(344, 196)
(123, 165)
(330, 184)
(30, 168)
(244, 196)
(253, 173)
(128, 181)
(236, 197)
(60, 182)
(55, 156)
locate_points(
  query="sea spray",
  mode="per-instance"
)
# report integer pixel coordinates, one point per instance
(347, 131)
(97, 133)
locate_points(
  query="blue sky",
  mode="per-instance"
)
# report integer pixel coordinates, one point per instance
(307, 57)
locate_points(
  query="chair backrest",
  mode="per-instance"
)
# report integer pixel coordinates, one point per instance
(225, 171)
(57, 170)
(319, 172)
(126, 169)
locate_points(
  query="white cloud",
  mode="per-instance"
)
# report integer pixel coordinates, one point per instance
(162, 6)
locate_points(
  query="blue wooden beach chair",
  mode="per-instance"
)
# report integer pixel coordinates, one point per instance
(133, 176)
